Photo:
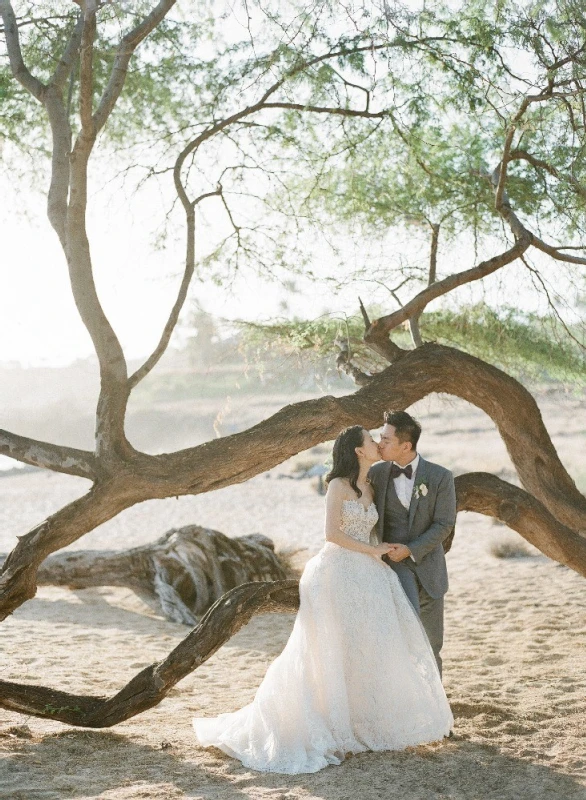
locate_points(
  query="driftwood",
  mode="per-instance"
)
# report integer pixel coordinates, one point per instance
(184, 572)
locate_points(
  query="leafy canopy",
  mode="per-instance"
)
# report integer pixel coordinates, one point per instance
(338, 125)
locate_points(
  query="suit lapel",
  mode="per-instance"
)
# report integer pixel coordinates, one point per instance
(420, 475)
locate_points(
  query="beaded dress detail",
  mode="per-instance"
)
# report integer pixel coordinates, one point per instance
(358, 521)
(356, 674)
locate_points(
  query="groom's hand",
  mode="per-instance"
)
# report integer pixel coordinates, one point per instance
(398, 552)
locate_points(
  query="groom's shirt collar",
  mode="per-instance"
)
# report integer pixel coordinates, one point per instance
(404, 485)
(413, 463)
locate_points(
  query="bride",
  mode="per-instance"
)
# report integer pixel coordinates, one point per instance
(358, 672)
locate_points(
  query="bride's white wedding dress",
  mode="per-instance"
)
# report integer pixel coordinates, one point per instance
(357, 673)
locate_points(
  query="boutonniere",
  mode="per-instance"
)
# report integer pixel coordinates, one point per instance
(420, 490)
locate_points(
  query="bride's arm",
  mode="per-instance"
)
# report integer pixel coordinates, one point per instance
(335, 496)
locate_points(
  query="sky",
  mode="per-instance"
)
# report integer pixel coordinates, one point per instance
(137, 283)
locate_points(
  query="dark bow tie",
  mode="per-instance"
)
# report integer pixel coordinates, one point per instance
(396, 470)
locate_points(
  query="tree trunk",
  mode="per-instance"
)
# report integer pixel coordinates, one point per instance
(184, 572)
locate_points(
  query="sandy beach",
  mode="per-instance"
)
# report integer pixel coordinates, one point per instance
(515, 653)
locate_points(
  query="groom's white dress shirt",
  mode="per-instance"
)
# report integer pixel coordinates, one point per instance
(404, 485)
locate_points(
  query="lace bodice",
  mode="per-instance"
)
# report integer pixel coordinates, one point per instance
(357, 521)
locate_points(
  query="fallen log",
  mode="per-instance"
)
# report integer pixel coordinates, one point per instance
(183, 573)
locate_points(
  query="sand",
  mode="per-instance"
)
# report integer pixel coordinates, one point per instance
(515, 653)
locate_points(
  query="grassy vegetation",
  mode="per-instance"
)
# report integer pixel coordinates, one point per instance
(532, 348)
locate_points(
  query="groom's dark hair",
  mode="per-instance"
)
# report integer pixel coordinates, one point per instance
(406, 428)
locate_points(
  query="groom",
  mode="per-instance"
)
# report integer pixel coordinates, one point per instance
(416, 502)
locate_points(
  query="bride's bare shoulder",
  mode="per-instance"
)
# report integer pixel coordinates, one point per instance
(339, 487)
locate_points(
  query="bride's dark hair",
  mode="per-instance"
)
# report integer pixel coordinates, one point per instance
(346, 463)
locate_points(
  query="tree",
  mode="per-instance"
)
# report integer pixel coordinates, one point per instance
(296, 104)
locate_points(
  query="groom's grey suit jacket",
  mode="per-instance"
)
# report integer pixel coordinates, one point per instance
(431, 519)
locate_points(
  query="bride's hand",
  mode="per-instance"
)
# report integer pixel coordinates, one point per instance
(381, 549)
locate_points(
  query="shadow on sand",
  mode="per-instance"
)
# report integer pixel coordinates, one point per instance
(99, 764)
(91, 610)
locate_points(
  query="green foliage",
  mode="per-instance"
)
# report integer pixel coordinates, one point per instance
(530, 347)
(444, 83)
(526, 345)
(51, 709)
(158, 91)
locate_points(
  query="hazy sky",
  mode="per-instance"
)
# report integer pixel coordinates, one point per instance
(137, 284)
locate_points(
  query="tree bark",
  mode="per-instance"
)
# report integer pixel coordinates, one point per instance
(234, 459)
(432, 368)
(19, 571)
(67, 460)
(486, 494)
(381, 327)
(230, 613)
(184, 572)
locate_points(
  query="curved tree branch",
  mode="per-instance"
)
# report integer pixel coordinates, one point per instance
(67, 60)
(17, 65)
(344, 363)
(479, 492)
(19, 571)
(501, 172)
(46, 18)
(86, 69)
(539, 163)
(263, 103)
(155, 356)
(58, 194)
(486, 494)
(58, 115)
(382, 326)
(555, 252)
(432, 368)
(126, 48)
(48, 456)
(431, 278)
(230, 613)
(335, 111)
(234, 459)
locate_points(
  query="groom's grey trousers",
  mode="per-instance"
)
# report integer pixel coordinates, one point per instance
(422, 527)
(430, 609)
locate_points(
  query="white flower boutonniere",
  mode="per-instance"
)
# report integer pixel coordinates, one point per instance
(421, 490)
